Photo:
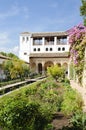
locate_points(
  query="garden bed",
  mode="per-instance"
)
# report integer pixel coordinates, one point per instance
(38, 105)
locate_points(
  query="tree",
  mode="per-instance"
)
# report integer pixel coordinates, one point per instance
(3, 53)
(11, 55)
(7, 65)
(15, 68)
(19, 69)
(83, 10)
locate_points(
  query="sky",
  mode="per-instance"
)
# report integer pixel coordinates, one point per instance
(18, 16)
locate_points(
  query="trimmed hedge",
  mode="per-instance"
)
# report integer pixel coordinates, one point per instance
(9, 82)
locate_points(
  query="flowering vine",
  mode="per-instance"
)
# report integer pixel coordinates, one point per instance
(77, 40)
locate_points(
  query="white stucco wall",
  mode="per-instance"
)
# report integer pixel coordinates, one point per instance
(27, 47)
(24, 47)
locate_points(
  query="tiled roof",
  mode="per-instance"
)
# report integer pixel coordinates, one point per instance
(25, 33)
(4, 57)
(45, 34)
(49, 55)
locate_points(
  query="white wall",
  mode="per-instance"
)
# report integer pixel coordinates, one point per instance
(54, 48)
(24, 49)
(27, 47)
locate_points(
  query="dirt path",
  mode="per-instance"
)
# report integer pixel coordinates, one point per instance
(81, 90)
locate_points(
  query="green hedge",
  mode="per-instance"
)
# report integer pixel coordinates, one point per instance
(9, 82)
(33, 106)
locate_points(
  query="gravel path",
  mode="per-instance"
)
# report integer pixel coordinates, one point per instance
(81, 90)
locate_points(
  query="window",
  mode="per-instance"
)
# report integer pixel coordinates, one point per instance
(34, 49)
(25, 53)
(59, 49)
(50, 49)
(63, 49)
(38, 49)
(27, 38)
(23, 39)
(46, 49)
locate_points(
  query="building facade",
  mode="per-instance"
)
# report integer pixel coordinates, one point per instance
(43, 50)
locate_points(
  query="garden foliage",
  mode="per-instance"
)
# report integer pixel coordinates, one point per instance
(33, 107)
(58, 73)
(15, 69)
(83, 10)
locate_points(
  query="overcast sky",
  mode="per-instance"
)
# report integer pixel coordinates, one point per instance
(17, 16)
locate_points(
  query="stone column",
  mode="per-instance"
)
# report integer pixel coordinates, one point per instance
(67, 40)
(43, 71)
(36, 67)
(55, 40)
(43, 43)
(54, 62)
(55, 43)
(43, 40)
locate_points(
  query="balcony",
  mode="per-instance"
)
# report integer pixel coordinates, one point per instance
(37, 41)
(49, 40)
(61, 41)
(49, 43)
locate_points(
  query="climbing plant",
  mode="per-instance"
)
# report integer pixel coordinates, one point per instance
(77, 40)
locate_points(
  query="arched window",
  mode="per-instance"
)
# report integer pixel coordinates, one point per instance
(27, 39)
(34, 49)
(46, 49)
(23, 39)
(59, 49)
(51, 49)
(63, 49)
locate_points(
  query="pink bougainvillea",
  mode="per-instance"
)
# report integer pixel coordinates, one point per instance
(77, 33)
(76, 36)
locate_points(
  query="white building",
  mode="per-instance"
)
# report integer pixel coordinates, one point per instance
(44, 49)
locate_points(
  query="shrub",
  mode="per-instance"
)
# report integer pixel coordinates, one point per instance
(49, 127)
(9, 82)
(58, 73)
(79, 120)
(67, 81)
(72, 101)
(31, 90)
(20, 113)
(23, 110)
